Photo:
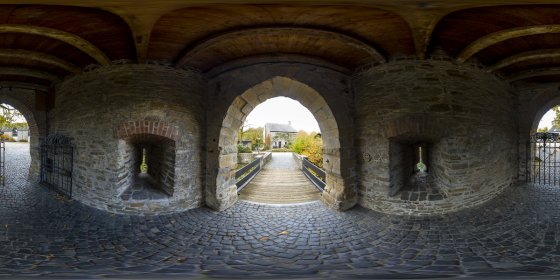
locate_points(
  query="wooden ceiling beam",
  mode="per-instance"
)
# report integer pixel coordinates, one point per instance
(549, 71)
(6, 84)
(39, 57)
(525, 56)
(68, 38)
(20, 71)
(354, 43)
(503, 35)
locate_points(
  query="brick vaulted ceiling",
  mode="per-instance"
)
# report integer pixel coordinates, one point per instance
(40, 44)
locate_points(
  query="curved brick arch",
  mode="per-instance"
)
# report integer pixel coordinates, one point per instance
(36, 131)
(159, 128)
(242, 105)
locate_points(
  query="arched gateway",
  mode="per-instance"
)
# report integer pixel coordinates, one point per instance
(225, 192)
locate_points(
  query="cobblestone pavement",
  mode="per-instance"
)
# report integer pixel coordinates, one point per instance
(43, 235)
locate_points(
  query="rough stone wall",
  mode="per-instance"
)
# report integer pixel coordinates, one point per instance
(465, 113)
(93, 106)
(166, 174)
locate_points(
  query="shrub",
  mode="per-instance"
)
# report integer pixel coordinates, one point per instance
(310, 146)
(7, 138)
(241, 149)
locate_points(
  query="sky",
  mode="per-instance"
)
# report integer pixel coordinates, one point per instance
(282, 110)
(546, 120)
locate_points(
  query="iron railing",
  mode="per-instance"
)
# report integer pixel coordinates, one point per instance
(56, 164)
(543, 159)
(244, 175)
(2, 163)
(315, 174)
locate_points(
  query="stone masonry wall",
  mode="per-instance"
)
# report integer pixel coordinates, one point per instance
(465, 114)
(92, 107)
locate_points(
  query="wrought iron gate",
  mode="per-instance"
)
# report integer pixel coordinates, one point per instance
(2, 163)
(56, 164)
(543, 159)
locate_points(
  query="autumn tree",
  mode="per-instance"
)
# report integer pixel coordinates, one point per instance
(11, 118)
(309, 145)
(253, 134)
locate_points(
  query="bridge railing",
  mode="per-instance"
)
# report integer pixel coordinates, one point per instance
(315, 174)
(244, 175)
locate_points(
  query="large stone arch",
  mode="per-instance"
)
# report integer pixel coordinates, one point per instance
(241, 96)
(534, 102)
(541, 110)
(24, 101)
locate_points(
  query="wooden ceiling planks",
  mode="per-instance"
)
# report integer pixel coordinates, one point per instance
(59, 40)
(180, 31)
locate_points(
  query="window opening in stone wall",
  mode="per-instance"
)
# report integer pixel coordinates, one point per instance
(151, 168)
(410, 176)
(143, 165)
(420, 164)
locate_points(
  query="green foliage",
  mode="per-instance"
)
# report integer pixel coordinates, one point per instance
(11, 118)
(7, 138)
(542, 129)
(241, 149)
(253, 134)
(309, 145)
(143, 165)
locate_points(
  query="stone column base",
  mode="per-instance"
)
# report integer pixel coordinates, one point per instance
(338, 204)
(222, 200)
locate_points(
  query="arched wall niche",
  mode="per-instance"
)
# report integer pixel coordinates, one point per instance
(237, 92)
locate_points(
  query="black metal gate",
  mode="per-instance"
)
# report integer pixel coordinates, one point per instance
(543, 159)
(2, 163)
(56, 164)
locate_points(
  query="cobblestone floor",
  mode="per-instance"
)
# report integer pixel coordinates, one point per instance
(42, 235)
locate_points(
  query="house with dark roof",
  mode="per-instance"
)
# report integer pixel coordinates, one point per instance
(279, 135)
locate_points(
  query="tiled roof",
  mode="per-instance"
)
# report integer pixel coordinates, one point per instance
(279, 127)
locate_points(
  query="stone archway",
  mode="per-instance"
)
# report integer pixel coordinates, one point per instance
(226, 192)
(36, 132)
(539, 114)
(535, 103)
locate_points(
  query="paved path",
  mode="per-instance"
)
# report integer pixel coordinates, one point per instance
(516, 235)
(280, 182)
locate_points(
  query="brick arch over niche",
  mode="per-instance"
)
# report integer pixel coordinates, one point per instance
(225, 192)
(148, 154)
(158, 128)
(37, 131)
